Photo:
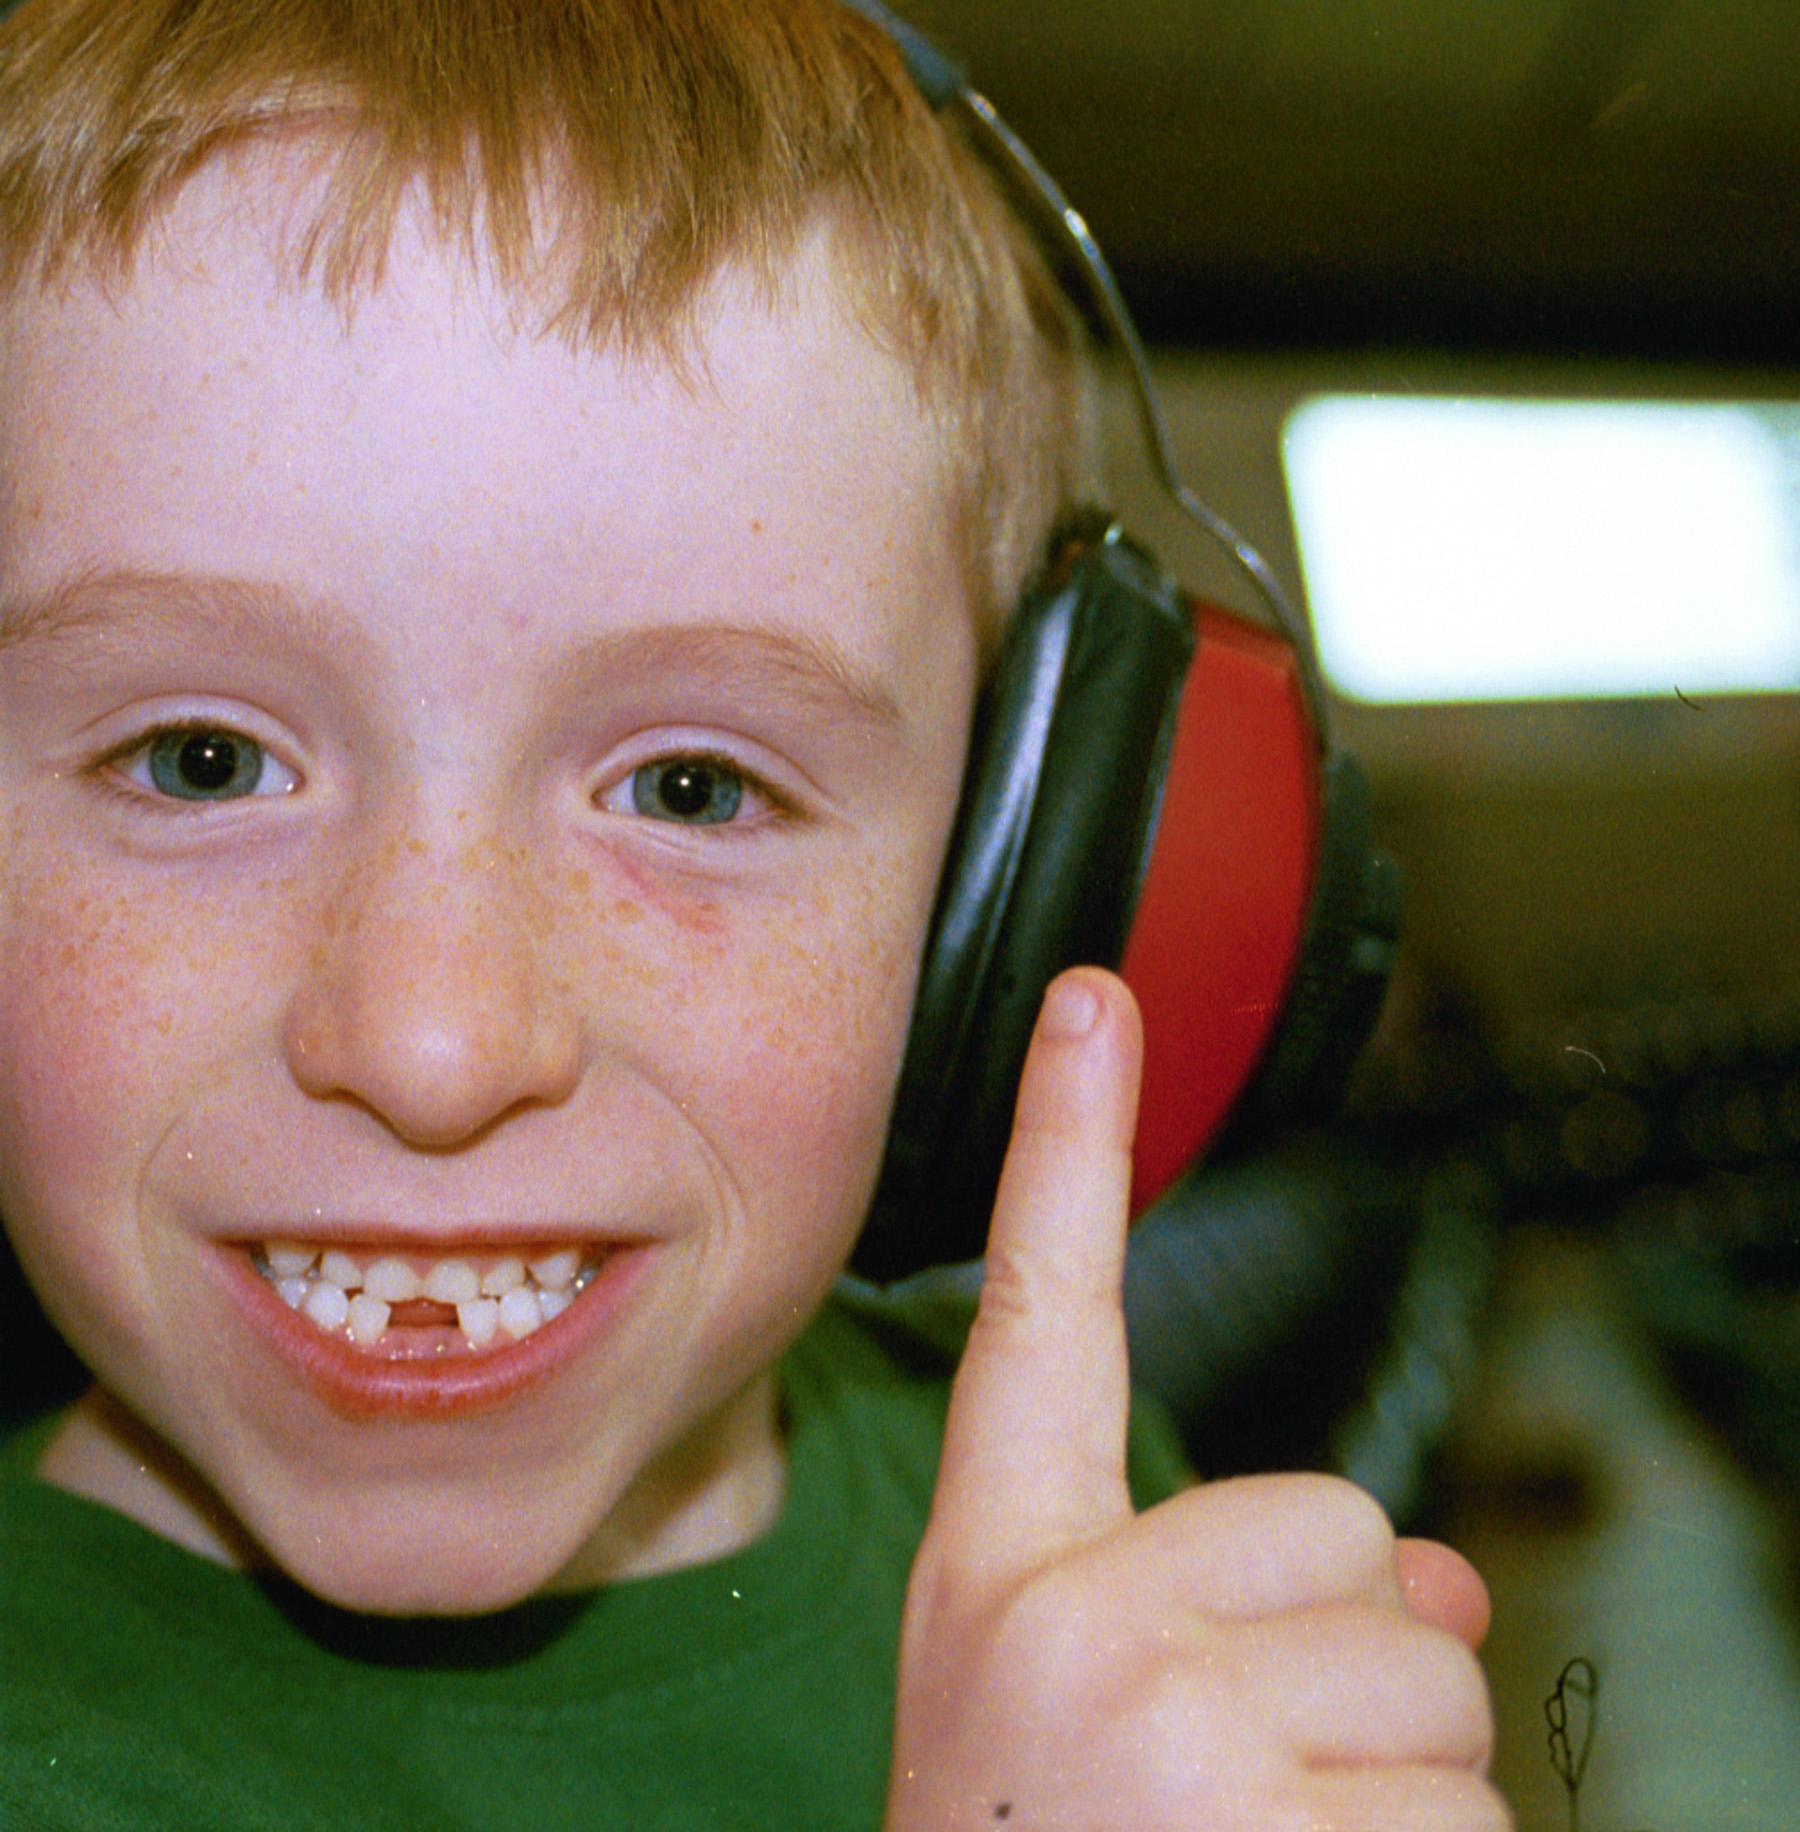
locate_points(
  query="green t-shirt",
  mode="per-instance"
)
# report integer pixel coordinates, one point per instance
(142, 1687)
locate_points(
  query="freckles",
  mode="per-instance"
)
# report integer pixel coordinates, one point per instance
(76, 1022)
(832, 999)
(782, 1018)
(104, 990)
(80, 955)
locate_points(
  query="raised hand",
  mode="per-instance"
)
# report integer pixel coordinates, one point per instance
(1258, 1654)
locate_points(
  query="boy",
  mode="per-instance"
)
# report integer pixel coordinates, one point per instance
(503, 510)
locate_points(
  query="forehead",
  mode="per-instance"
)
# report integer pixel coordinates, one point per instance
(211, 410)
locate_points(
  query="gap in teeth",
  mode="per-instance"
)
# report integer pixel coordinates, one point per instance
(503, 1298)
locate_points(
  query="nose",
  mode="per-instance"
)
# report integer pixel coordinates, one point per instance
(430, 1000)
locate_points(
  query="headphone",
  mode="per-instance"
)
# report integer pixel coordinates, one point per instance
(1150, 788)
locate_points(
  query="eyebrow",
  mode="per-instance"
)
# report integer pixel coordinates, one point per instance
(805, 665)
(807, 668)
(97, 599)
(24, 616)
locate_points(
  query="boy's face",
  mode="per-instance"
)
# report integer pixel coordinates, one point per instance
(460, 797)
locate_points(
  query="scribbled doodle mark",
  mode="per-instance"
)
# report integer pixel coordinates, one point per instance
(1572, 1710)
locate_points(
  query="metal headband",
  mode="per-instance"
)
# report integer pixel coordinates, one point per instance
(944, 84)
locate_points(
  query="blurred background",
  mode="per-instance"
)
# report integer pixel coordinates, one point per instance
(1540, 1288)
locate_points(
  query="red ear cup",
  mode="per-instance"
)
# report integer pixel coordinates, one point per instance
(1221, 919)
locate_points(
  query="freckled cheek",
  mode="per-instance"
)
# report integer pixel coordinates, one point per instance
(824, 1038)
(112, 1009)
(793, 1032)
(84, 1027)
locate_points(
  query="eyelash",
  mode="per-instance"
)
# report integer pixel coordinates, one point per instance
(114, 768)
(631, 787)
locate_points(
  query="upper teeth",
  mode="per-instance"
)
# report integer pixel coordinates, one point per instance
(510, 1293)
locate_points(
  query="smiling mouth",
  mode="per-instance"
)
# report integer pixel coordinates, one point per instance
(390, 1304)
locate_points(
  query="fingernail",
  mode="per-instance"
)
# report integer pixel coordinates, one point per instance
(1070, 1010)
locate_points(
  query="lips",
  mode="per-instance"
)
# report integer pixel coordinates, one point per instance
(390, 1330)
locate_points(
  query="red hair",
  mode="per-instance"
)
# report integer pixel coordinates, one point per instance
(607, 156)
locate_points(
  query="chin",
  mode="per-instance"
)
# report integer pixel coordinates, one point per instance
(461, 1578)
(405, 1553)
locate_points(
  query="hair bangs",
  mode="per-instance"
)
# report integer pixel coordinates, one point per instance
(605, 158)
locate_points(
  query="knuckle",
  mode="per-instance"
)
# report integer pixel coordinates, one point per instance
(1355, 1525)
(1024, 1290)
(1483, 1732)
(1009, 1291)
(1498, 1815)
(1342, 1527)
(1020, 1287)
(1355, 1514)
(1453, 1680)
(946, 1590)
(1330, 1507)
(1479, 1807)
(1061, 1643)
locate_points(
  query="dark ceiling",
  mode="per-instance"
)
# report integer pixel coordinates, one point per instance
(1577, 177)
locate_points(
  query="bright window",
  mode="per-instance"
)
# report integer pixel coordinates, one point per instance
(1500, 550)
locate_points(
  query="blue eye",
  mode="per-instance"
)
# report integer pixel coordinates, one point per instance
(203, 765)
(698, 791)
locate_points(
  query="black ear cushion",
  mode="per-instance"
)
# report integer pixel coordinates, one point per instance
(1352, 937)
(1059, 807)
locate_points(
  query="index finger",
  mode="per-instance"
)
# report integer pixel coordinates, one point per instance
(1034, 1450)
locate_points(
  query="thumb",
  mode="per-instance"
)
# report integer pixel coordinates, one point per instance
(1441, 1587)
(1034, 1448)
